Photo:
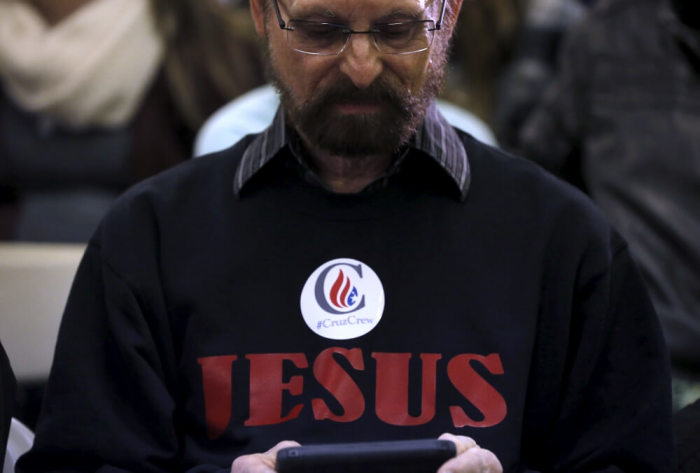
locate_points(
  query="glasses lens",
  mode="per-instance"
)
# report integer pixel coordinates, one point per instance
(316, 37)
(404, 38)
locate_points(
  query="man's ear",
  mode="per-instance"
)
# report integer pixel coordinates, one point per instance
(257, 10)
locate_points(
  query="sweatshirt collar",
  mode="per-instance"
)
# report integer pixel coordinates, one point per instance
(435, 138)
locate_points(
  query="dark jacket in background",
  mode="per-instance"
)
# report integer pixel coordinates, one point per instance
(626, 107)
(47, 172)
(686, 427)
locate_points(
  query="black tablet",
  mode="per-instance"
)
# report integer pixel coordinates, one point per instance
(399, 456)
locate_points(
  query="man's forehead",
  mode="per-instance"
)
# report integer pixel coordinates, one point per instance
(357, 7)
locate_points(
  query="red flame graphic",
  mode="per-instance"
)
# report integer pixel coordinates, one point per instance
(338, 297)
(344, 294)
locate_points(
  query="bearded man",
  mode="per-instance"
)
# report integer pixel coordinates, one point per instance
(359, 271)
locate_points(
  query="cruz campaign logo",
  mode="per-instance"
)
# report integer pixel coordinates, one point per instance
(342, 299)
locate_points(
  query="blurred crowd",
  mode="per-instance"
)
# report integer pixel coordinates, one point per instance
(96, 95)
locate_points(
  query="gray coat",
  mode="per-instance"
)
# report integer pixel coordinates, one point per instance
(626, 107)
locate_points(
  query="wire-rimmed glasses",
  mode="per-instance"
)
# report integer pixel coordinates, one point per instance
(329, 39)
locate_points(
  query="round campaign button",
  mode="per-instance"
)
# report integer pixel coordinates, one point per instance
(342, 299)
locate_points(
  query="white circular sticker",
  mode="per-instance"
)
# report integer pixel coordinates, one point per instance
(342, 299)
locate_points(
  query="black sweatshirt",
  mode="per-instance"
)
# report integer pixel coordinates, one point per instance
(515, 317)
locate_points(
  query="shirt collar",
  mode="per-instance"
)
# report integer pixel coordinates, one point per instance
(436, 138)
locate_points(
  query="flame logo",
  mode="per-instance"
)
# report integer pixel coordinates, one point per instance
(343, 295)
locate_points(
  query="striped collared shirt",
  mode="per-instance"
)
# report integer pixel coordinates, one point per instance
(436, 138)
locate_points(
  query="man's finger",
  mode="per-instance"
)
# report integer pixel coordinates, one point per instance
(272, 453)
(473, 460)
(462, 443)
(260, 462)
(281, 445)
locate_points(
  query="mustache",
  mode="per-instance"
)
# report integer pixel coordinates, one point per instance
(344, 91)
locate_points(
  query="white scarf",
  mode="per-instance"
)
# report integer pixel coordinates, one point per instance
(91, 69)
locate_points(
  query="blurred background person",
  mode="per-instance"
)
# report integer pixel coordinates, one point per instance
(98, 94)
(533, 64)
(504, 54)
(482, 46)
(622, 120)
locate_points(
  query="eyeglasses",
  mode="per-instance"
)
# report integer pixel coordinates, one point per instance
(329, 39)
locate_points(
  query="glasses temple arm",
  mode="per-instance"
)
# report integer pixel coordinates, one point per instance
(283, 25)
(438, 25)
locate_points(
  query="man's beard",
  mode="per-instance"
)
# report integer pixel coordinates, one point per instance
(399, 113)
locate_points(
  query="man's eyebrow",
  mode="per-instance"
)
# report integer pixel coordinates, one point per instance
(322, 13)
(401, 14)
(314, 12)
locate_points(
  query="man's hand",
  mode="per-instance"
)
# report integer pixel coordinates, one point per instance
(470, 457)
(260, 462)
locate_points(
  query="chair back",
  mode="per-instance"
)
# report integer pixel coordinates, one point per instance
(34, 283)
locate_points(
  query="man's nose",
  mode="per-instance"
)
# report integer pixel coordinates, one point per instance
(361, 61)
